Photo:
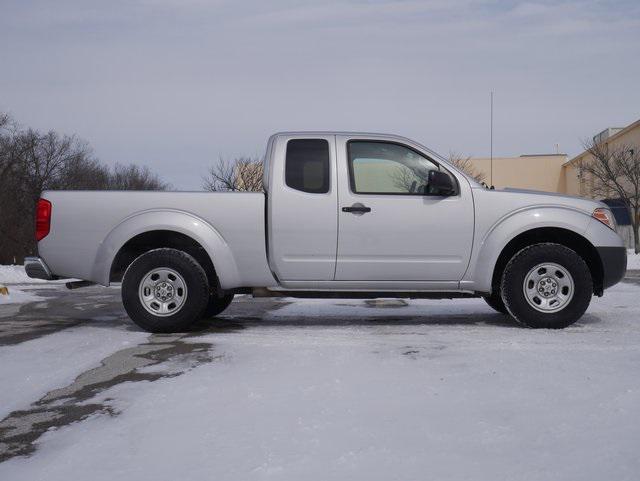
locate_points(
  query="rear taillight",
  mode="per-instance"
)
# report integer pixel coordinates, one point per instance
(43, 219)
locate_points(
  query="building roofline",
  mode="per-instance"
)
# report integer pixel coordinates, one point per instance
(495, 157)
(626, 129)
(560, 154)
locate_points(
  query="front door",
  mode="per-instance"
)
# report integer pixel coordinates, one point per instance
(391, 226)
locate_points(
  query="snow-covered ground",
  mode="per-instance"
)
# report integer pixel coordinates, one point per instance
(15, 275)
(633, 260)
(18, 295)
(16, 279)
(341, 390)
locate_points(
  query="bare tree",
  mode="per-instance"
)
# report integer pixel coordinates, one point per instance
(466, 165)
(414, 179)
(243, 174)
(615, 171)
(5, 120)
(31, 161)
(133, 177)
(7, 151)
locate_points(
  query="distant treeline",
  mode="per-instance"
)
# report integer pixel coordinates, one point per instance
(33, 161)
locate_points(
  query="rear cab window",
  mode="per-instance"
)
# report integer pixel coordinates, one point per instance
(307, 165)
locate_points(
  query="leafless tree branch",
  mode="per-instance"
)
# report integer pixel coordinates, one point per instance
(615, 171)
(466, 165)
(243, 174)
(31, 161)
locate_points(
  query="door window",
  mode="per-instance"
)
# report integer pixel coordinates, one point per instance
(388, 168)
(307, 165)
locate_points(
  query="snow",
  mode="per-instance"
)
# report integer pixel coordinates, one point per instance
(15, 278)
(16, 275)
(633, 260)
(338, 390)
(18, 296)
(35, 367)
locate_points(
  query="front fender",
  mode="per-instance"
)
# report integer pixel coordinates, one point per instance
(491, 242)
(171, 220)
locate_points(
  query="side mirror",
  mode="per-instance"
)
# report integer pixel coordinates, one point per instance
(440, 183)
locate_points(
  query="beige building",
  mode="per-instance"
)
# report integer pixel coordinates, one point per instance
(551, 172)
(628, 136)
(537, 172)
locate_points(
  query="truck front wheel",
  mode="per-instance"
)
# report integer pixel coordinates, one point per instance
(547, 286)
(165, 290)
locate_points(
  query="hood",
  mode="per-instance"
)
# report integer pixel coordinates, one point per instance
(552, 198)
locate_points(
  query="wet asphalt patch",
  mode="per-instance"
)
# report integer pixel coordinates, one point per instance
(61, 309)
(20, 430)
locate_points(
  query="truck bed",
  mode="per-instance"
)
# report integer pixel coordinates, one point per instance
(84, 226)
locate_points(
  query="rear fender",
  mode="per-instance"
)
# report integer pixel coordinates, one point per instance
(169, 220)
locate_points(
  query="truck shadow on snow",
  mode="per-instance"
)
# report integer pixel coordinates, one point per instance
(270, 313)
(228, 323)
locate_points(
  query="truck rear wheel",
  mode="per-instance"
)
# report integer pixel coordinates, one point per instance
(547, 286)
(165, 290)
(216, 305)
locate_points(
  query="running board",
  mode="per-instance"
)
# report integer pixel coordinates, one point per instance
(263, 292)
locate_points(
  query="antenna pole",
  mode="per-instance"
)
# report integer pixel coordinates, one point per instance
(491, 141)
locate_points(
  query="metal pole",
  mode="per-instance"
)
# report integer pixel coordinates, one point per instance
(491, 142)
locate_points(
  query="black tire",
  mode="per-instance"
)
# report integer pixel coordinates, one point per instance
(523, 262)
(196, 296)
(216, 305)
(495, 301)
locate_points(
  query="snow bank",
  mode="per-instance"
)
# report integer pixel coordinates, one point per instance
(633, 260)
(15, 275)
(18, 296)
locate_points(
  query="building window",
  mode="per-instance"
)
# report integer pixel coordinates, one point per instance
(307, 165)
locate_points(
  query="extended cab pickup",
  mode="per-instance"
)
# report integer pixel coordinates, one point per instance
(342, 215)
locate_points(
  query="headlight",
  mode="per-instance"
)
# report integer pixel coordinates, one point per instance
(605, 216)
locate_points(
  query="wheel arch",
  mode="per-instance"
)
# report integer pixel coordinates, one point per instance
(157, 239)
(556, 235)
(151, 230)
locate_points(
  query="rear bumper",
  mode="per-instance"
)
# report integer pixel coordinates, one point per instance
(614, 264)
(36, 268)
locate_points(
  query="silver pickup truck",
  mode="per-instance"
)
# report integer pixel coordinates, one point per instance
(343, 215)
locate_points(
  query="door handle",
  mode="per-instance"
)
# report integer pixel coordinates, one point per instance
(357, 209)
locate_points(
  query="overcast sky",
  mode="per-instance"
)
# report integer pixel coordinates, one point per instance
(175, 84)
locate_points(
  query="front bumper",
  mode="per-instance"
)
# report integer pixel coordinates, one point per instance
(36, 268)
(614, 264)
